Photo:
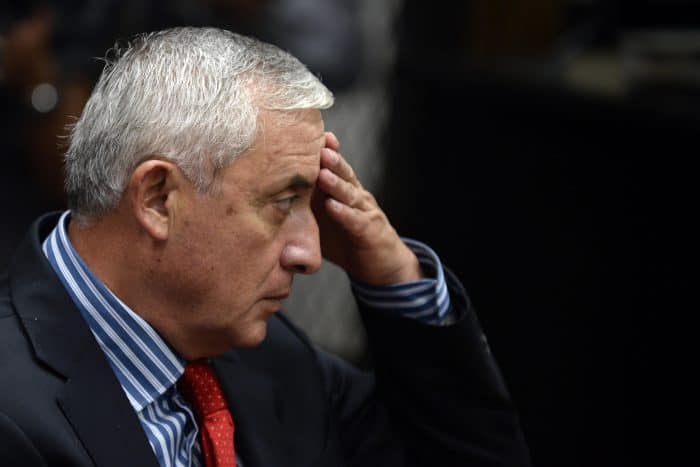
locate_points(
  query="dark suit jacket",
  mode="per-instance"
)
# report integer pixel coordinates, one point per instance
(438, 398)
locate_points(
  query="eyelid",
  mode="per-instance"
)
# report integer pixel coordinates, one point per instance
(288, 201)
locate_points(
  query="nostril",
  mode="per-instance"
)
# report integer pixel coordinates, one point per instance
(300, 268)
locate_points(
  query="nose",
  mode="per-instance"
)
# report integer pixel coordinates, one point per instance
(302, 253)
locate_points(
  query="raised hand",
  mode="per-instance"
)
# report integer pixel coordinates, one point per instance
(355, 233)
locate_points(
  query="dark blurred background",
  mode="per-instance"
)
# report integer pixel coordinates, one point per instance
(542, 147)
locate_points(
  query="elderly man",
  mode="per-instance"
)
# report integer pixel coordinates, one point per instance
(141, 327)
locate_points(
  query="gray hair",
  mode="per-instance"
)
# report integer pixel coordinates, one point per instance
(187, 95)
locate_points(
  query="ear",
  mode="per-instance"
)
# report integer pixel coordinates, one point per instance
(152, 192)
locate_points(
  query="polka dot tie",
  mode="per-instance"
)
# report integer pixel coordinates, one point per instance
(200, 387)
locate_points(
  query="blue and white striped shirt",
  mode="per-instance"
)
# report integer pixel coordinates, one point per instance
(426, 299)
(147, 368)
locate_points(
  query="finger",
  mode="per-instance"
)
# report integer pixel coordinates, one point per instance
(350, 219)
(332, 141)
(333, 161)
(340, 189)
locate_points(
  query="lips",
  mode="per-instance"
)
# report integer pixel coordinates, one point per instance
(274, 302)
(279, 296)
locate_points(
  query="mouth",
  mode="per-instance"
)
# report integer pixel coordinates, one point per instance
(278, 297)
(279, 293)
(272, 304)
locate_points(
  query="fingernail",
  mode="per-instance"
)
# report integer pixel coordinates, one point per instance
(335, 204)
(333, 137)
(332, 154)
(332, 178)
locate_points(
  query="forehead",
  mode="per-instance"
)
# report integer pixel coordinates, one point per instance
(287, 142)
(288, 129)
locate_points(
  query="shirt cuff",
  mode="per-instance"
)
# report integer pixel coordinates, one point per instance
(426, 300)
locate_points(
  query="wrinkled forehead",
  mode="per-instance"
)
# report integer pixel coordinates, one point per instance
(286, 119)
(289, 131)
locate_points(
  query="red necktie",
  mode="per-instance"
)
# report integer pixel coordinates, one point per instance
(201, 389)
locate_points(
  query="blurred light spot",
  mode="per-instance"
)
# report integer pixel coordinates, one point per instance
(44, 97)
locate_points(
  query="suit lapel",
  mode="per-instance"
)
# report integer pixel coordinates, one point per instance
(256, 410)
(97, 408)
(92, 399)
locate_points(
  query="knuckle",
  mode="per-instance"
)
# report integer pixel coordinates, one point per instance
(352, 198)
(376, 216)
(368, 199)
(358, 226)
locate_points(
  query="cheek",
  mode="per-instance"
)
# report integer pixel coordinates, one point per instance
(245, 253)
(193, 256)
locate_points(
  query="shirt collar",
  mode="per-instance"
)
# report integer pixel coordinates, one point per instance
(143, 362)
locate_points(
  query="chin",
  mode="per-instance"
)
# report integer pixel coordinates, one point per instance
(252, 336)
(216, 343)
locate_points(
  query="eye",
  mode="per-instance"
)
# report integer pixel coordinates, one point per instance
(285, 204)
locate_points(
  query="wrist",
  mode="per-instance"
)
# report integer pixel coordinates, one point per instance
(409, 269)
(399, 266)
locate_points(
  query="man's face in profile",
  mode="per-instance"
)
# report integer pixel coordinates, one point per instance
(233, 254)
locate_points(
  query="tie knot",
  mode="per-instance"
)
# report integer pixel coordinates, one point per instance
(200, 386)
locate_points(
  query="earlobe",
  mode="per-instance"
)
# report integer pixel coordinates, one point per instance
(151, 188)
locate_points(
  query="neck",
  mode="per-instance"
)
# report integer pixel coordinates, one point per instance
(133, 266)
(100, 244)
(118, 253)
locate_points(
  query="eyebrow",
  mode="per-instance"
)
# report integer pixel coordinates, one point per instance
(297, 181)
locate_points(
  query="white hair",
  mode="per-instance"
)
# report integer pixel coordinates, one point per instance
(187, 95)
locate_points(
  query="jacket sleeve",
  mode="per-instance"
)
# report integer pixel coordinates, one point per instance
(436, 396)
